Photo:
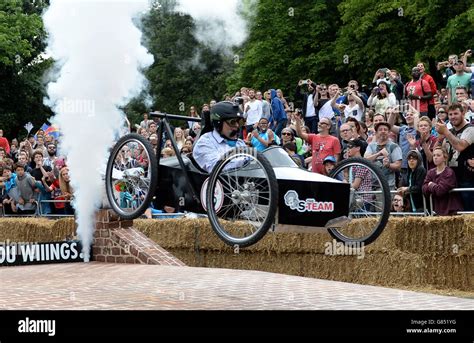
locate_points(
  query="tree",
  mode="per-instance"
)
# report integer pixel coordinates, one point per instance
(22, 39)
(286, 43)
(184, 73)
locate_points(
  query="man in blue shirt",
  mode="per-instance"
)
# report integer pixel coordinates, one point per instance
(227, 121)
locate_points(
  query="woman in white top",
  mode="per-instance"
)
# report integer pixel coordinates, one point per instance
(381, 97)
(179, 137)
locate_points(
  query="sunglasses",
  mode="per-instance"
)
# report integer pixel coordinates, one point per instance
(233, 122)
(286, 134)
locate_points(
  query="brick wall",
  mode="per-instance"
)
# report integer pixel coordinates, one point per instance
(116, 241)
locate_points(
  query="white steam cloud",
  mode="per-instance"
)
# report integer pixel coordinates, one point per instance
(219, 24)
(99, 50)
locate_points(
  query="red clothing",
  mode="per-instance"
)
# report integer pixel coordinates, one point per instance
(321, 147)
(5, 145)
(444, 203)
(433, 87)
(414, 88)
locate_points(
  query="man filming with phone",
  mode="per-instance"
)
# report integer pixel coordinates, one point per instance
(310, 102)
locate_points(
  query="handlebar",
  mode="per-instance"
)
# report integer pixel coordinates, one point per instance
(174, 117)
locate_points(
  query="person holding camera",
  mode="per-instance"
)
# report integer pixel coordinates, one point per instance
(448, 67)
(310, 102)
(355, 107)
(381, 97)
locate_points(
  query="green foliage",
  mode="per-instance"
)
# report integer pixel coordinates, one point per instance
(21, 41)
(325, 40)
(184, 73)
(335, 41)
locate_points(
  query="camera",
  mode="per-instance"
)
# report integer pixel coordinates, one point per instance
(304, 82)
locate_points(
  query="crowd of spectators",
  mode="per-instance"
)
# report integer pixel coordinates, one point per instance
(419, 132)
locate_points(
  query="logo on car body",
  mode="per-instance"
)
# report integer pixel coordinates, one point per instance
(309, 205)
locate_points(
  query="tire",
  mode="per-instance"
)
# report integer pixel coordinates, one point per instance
(380, 205)
(141, 187)
(243, 196)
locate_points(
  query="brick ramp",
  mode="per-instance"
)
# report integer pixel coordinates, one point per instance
(116, 241)
(112, 286)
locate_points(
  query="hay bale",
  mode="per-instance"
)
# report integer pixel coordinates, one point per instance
(25, 229)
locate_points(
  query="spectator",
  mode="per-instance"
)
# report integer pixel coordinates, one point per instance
(360, 176)
(8, 183)
(434, 89)
(283, 100)
(279, 118)
(385, 153)
(459, 144)
(24, 194)
(67, 192)
(322, 144)
(290, 148)
(406, 133)
(412, 182)
(253, 111)
(38, 173)
(355, 107)
(381, 97)
(145, 123)
(266, 107)
(448, 67)
(4, 143)
(396, 85)
(419, 92)
(179, 137)
(262, 137)
(49, 160)
(399, 204)
(438, 183)
(426, 142)
(309, 108)
(329, 164)
(459, 79)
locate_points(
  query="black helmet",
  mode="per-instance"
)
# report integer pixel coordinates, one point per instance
(224, 110)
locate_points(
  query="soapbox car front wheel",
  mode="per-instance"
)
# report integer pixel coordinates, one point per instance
(131, 176)
(369, 203)
(242, 197)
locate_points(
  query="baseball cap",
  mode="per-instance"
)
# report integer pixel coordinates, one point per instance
(355, 142)
(329, 158)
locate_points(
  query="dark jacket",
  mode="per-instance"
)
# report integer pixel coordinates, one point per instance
(414, 179)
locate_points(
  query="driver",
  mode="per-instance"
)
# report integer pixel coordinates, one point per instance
(227, 121)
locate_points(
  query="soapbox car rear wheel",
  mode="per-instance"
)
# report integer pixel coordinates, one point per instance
(369, 204)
